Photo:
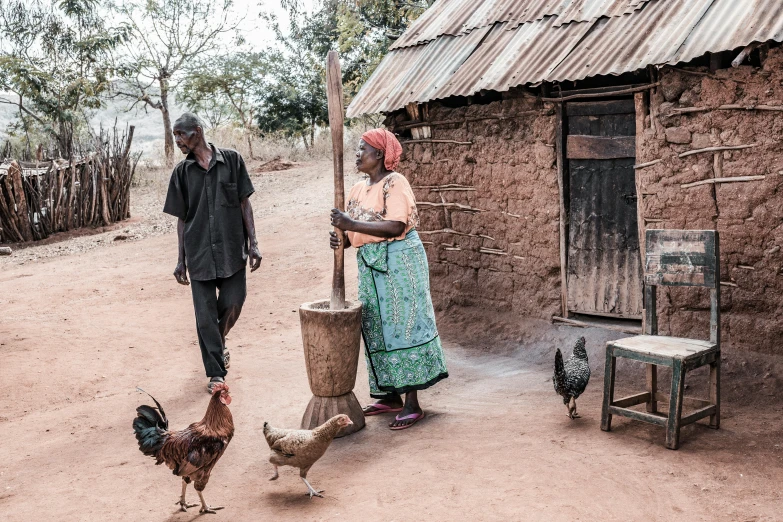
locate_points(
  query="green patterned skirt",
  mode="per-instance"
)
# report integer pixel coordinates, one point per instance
(401, 341)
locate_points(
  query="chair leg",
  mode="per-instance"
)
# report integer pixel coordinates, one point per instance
(609, 367)
(675, 406)
(715, 392)
(652, 387)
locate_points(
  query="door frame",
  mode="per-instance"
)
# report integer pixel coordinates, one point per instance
(641, 106)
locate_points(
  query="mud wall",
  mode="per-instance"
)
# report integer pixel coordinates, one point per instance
(500, 248)
(748, 215)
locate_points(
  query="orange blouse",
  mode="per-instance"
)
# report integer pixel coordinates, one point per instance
(391, 199)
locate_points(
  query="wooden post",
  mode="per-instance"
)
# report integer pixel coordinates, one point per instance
(334, 96)
(715, 392)
(716, 61)
(22, 214)
(675, 406)
(562, 186)
(652, 387)
(610, 365)
(7, 207)
(413, 113)
(641, 108)
(640, 103)
(128, 141)
(742, 56)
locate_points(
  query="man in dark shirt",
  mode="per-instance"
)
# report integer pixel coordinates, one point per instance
(208, 193)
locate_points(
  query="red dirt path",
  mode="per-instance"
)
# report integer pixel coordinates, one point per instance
(79, 332)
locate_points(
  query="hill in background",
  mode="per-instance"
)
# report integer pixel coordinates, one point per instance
(147, 137)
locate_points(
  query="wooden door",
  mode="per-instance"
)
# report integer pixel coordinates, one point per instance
(604, 265)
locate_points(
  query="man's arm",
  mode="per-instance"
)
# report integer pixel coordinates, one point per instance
(250, 228)
(180, 273)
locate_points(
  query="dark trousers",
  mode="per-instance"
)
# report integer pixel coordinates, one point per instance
(218, 303)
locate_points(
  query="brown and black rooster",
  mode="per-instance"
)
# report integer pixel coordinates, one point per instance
(571, 377)
(190, 453)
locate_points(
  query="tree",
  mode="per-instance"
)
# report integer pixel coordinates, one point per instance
(56, 61)
(366, 30)
(215, 111)
(226, 88)
(362, 31)
(294, 101)
(168, 37)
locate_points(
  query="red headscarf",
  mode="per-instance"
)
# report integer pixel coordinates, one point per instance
(384, 140)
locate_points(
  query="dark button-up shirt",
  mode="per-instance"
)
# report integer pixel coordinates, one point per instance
(208, 202)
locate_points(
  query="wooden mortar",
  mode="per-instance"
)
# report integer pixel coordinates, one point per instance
(331, 340)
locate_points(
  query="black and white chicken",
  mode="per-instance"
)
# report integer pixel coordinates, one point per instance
(571, 377)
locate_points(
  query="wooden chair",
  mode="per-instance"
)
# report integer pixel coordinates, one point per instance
(673, 258)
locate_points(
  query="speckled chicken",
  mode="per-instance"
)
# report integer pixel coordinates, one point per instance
(302, 448)
(571, 377)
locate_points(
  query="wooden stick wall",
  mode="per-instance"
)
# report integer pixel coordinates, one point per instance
(40, 199)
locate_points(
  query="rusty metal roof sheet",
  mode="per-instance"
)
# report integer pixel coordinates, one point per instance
(617, 45)
(508, 58)
(459, 47)
(728, 25)
(456, 17)
(415, 73)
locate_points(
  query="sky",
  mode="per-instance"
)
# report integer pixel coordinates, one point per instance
(254, 29)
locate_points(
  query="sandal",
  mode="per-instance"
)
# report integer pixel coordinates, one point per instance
(379, 408)
(213, 381)
(415, 417)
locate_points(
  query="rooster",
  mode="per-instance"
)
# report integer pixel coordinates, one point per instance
(302, 448)
(190, 453)
(572, 377)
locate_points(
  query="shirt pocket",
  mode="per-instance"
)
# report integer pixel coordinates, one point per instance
(229, 194)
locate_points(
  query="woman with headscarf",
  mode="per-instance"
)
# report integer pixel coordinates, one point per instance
(402, 346)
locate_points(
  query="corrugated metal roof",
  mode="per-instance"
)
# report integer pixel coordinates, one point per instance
(581, 11)
(507, 58)
(459, 47)
(415, 73)
(456, 17)
(617, 45)
(728, 25)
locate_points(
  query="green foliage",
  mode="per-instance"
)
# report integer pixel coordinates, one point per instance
(366, 30)
(56, 60)
(224, 88)
(294, 102)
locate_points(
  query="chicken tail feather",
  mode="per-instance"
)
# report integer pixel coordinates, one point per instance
(559, 371)
(151, 428)
(160, 408)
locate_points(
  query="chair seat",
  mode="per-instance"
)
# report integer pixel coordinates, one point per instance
(663, 346)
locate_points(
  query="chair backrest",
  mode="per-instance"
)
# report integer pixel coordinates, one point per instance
(682, 258)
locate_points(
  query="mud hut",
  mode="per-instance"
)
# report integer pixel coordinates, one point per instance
(544, 137)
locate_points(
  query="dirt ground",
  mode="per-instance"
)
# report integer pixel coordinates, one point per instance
(85, 320)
